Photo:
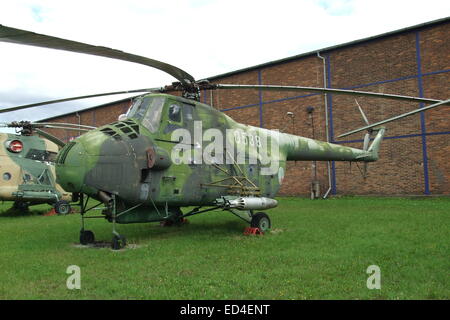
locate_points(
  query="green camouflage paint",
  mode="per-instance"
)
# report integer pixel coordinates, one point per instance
(133, 159)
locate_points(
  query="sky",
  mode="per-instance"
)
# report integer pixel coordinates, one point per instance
(203, 37)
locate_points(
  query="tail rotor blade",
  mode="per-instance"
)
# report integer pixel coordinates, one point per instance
(365, 169)
(362, 113)
(366, 141)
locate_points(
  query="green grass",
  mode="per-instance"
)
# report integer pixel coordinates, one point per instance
(316, 250)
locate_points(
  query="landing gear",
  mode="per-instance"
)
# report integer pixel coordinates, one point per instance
(86, 237)
(21, 206)
(118, 242)
(109, 212)
(261, 221)
(62, 207)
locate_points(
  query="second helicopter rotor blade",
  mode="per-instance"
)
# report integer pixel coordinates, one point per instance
(51, 137)
(18, 36)
(64, 124)
(77, 98)
(401, 116)
(65, 128)
(326, 90)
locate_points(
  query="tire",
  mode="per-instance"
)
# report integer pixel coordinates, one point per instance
(62, 207)
(118, 242)
(75, 197)
(20, 205)
(86, 237)
(261, 221)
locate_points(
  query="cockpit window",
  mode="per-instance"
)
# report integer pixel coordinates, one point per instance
(148, 111)
(152, 118)
(41, 155)
(175, 113)
(138, 108)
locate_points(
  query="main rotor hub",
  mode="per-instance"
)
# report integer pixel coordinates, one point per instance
(191, 90)
(26, 127)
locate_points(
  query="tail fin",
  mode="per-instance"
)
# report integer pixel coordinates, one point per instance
(372, 151)
(375, 146)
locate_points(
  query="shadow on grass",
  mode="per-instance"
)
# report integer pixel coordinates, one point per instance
(139, 235)
(13, 212)
(200, 228)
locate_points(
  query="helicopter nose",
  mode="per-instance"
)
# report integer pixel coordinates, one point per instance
(70, 167)
(94, 161)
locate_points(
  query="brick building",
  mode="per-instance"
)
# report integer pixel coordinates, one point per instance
(414, 158)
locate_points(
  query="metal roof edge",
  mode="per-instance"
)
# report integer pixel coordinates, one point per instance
(343, 45)
(283, 60)
(87, 108)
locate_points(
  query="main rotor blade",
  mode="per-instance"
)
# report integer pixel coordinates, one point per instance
(65, 128)
(396, 117)
(24, 37)
(326, 90)
(35, 125)
(51, 137)
(77, 98)
(63, 124)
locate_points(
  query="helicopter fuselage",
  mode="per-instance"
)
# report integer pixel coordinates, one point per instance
(27, 172)
(171, 152)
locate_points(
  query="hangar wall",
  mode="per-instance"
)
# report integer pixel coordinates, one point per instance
(414, 156)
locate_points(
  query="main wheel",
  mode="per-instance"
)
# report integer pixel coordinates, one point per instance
(260, 220)
(86, 237)
(20, 205)
(62, 207)
(118, 242)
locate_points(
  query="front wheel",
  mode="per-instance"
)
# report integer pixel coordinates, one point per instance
(118, 242)
(261, 221)
(86, 237)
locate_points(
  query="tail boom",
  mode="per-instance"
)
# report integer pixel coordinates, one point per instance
(304, 149)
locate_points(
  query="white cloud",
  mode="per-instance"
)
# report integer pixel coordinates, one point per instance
(205, 38)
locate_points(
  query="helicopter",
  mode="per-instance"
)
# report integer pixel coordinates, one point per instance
(171, 152)
(27, 166)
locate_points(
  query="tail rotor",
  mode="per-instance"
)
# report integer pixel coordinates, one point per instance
(366, 140)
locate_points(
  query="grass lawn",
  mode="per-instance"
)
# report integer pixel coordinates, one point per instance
(316, 250)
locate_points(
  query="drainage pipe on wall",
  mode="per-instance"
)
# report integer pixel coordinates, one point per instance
(326, 120)
(79, 122)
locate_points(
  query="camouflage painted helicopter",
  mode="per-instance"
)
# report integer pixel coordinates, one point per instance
(152, 162)
(27, 166)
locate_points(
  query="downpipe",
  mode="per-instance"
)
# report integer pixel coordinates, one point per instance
(326, 122)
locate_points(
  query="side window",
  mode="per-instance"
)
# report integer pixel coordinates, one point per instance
(175, 113)
(41, 155)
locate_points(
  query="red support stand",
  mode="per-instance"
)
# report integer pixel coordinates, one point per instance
(255, 231)
(52, 212)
